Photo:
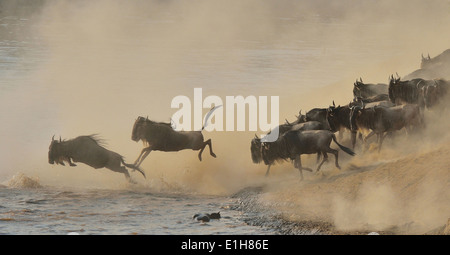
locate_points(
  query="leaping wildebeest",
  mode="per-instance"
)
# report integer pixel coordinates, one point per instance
(160, 136)
(87, 150)
(292, 144)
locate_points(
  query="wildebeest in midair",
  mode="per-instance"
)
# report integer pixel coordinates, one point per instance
(160, 136)
(87, 150)
(293, 144)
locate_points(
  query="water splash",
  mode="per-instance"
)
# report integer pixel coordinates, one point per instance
(20, 180)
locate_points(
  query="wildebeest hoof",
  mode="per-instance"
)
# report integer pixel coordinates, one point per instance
(72, 164)
(214, 155)
(131, 181)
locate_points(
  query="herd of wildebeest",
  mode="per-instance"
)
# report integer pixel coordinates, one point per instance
(376, 109)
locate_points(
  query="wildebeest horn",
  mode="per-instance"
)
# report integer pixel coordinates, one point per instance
(360, 79)
(422, 57)
(59, 138)
(429, 56)
(53, 138)
(256, 136)
(287, 122)
(334, 104)
(300, 112)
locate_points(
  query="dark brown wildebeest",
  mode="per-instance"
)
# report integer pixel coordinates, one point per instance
(300, 118)
(425, 93)
(363, 90)
(434, 93)
(256, 148)
(339, 120)
(87, 150)
(362, 101)
(160, 136)
(428, 62)
(318, 114)
(381, 120)
(292, 144)
(401, 92)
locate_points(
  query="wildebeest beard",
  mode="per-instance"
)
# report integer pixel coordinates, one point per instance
(255, 148)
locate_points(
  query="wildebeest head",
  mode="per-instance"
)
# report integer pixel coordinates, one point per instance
(255, 148)
(54, 151)
(392, 90)
(357, 87)
(138, 129)
(301, 118)
(425, 61)
(393, 80)
(332, 119)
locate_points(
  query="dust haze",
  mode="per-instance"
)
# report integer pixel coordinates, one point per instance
(108, 62)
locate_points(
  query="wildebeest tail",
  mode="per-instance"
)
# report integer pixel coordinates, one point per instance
(132, 166)
(347, 150)
(209, 114)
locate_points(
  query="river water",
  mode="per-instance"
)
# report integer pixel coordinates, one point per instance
(70, 69)
(29, 209)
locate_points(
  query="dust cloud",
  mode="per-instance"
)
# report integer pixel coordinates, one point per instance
(107, 62)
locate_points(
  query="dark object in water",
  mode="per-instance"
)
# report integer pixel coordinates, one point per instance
(205, 217)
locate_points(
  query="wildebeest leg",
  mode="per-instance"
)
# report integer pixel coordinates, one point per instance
(298, 162)
(268, 168)
(127, 175)
(335, 152)
(353, 138)
(381, 141)
(144, 151)
(369, 135)
(299, 166)
(116, 167)
(325, 158)
(70, 162)
(210, 148)
(208, 142)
